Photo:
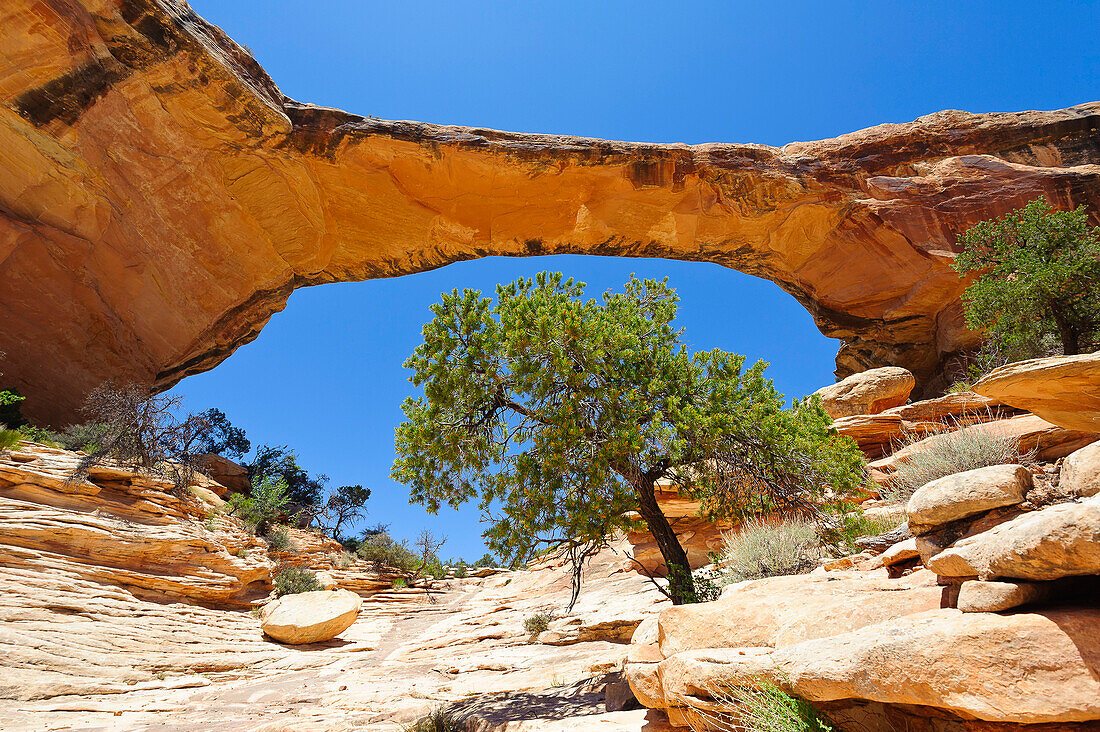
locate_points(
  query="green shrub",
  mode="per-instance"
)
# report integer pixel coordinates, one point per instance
(946, 454)
(399, 583)
(486, 560)
(461, 570)
(382, 551)
(41, 435)
(9, 438)
(768, 548)
(278, 539)
(854, 525)
(83, 437)
(438, 720)
(291, 580)
(763, 707)
(537, 623)
(263, 507)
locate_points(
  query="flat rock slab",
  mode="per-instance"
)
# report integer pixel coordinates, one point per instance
(310, 617)
(976, 596)
(1058, 541)
(1063, 390)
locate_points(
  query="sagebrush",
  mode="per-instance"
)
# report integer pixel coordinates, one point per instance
(537, 623)
(947, 453)
(438, 720)
(771, 548)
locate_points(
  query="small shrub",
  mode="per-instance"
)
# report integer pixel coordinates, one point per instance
(294, 580)
(382, 551)
(461, 570)
(41, 435)
(537, 623)
(83, 437)
(278, 539)
(9, 438)
(946, 454)
(438, 720)
(242, 553)
(210, 522)
(342, 560)
(856, 525)
(485, 561)
(766, 548)
(258, 511)
(763, 707)
(400, 583)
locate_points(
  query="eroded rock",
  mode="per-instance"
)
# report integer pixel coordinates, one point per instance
(1059, 541)
(1064, 390)
(868, 392)
(966, 494)
(1081, 472)
(310, 617)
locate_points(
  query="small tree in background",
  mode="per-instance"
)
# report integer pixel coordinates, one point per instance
(215, 434)
(566, 412)
(1038, 274)
(344, 506)
(304, 490)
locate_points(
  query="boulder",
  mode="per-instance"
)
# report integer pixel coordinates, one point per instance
(1064, 390)
(966, 494)
(1081, 472)
(1059, 541)
(901, 552)
(976, 596)
(310, 617)
(780, 611)
(868, 392)
(1021, 668)
(230, 475)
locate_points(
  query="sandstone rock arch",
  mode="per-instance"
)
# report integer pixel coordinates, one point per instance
(161, 198)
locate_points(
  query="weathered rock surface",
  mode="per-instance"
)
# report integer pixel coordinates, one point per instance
(310, 617)
(159, 187)
(781, 611)
(868, 392)
(1058, 541)
(878, 434)
(1080, 474)
(976, 596)
(1064, 390)
(124, 528)
(118, 610)
(1025, 668)
(967, 494)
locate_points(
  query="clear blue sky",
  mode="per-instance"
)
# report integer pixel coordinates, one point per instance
(325, 376)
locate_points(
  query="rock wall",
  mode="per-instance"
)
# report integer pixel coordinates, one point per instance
(161, 198)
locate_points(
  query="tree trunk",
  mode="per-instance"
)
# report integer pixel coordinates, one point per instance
(1071, 338)
(681, 588)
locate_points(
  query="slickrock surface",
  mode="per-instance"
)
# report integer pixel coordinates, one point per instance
(1063, 390)
(121, 609)
(158, 187)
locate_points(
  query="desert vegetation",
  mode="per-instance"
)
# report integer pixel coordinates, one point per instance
(292, 580)
(759, 707)
(1036, 288)
(565, 412)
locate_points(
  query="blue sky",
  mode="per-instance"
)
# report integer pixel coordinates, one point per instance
(325, 376)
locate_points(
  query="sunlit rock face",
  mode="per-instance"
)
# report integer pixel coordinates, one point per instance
(161, 198)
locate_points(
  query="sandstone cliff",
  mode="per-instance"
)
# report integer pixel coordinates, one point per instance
(161, 198)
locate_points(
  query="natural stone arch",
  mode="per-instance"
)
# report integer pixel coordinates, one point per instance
(162, 198)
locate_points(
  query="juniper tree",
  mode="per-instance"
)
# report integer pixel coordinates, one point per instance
(560, 414)
(1037, 274)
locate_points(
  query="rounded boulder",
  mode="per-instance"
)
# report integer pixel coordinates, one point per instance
(310, 617)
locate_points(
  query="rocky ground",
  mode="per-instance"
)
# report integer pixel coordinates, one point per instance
(125, 606)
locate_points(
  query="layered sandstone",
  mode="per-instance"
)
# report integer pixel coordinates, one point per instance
(161, 198)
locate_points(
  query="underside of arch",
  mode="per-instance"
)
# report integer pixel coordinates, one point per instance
(161, 199)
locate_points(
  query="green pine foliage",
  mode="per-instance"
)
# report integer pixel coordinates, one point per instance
(1037, 275)
(559, 414)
